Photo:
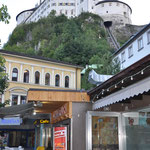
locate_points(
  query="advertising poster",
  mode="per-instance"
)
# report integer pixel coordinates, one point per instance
(60, 138)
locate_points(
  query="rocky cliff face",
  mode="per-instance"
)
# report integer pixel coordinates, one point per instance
(123, 33)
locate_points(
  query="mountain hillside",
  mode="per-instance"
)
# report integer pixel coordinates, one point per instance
(74, 40)
(81, 40)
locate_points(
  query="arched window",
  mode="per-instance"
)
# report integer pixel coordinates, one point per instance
(47, 79)
(57, 80)
(15, 74)
(37, 77)
(66, 82)
(26, 76)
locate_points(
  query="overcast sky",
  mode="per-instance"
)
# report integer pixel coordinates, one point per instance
(140, 14)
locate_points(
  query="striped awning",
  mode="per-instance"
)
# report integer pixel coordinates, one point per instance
(128, 92)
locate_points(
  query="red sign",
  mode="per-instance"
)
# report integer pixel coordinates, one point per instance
(60, 138)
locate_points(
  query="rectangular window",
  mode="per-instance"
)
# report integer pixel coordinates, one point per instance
(72, 12)
(72, 4)
(110, 4)
(148, 37)
(130, 51)
(102, 5)
(66, 12)
(23, 100)
(140, 43)
(53, 4)
(14, 100)
(123, 57)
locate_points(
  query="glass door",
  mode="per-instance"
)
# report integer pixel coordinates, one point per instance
(103, 131)
(136, 126)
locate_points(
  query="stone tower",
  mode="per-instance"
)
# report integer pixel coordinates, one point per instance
(114, 10)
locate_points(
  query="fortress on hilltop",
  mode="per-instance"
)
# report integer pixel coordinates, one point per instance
(115, 11)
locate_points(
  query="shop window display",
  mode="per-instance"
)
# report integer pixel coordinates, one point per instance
(137, 127)
(104, 133)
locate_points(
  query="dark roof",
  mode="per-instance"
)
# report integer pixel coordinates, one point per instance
(33, 9)
(138, 34)
(133, 70)
(21, 109)
(105, 1)
(39, 58)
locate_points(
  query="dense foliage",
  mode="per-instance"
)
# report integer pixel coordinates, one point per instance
(80, 40)
(3, 75)
(4, 17)
(3, 80)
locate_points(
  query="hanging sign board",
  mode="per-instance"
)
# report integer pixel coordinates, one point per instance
(11, 121)
(60, 114)
(41, 121)
(60, 138)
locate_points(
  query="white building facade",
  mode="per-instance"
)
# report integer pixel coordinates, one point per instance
(115, 11)
(107, 9)
(135, 48)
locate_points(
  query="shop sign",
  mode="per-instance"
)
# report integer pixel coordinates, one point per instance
(60, 138)
(42, 121)
(11, 121)
(61, 113)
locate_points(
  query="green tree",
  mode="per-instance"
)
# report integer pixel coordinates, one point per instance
(3, 80)
(4, 17)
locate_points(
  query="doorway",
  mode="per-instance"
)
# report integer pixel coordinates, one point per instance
(103, 131)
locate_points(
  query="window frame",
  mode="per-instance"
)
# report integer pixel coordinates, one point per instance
(24, 76)
(140, 43)
(123, 58)
(148, 37)
(13, 78)
(68, 81)
(18, 98)
(57, 85)
(130, 51)
(48, 79)
(14, 101)
(35, 78)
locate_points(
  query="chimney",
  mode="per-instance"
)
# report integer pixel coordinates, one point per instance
(40, 1)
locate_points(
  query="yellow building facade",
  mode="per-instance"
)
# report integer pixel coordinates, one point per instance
(25, 72)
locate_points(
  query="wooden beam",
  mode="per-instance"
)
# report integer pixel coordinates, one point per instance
(57, 96)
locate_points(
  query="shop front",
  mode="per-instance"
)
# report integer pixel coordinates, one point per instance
(118, 131)
(16, 127)
(16, 138)
(67, 109)
(120, 119)
(13, 133)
